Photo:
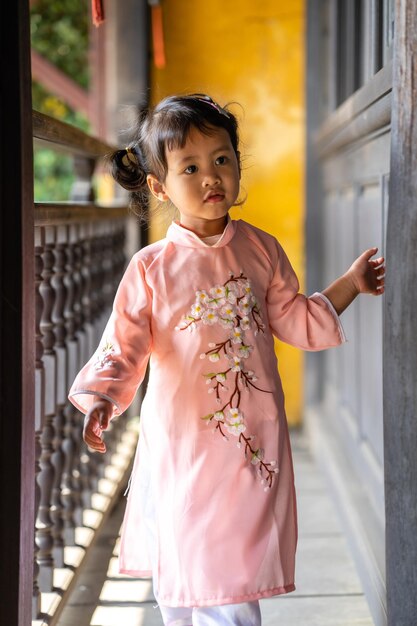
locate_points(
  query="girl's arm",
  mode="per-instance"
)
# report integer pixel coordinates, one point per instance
(365, 275)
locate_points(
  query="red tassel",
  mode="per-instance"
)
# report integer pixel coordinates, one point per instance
(97, 10)
(158, 37)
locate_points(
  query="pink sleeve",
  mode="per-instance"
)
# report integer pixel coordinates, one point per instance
(307, 323)
(118, 366)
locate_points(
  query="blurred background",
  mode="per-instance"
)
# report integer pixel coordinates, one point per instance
(310, 83)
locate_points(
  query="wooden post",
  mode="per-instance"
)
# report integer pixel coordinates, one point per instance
(400, 329)
(17, 319)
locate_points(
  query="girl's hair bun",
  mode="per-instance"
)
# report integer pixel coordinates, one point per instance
(127, 168)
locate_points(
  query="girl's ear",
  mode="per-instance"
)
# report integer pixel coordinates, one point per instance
(157, 188)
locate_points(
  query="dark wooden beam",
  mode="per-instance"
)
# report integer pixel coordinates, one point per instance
(400, 329)
(17, 320)
(59, 84)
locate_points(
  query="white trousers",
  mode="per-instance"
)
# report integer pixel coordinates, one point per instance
(245, 614)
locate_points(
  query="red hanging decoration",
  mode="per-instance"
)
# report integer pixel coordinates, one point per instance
(158, 36)
(97, 10)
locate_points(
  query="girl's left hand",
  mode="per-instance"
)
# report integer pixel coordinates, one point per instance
(368, 275)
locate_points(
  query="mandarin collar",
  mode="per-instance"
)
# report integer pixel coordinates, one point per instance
(184, 237)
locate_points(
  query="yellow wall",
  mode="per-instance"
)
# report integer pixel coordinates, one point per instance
(252, 53)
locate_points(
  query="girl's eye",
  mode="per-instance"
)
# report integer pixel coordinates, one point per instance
(221, 160)
(191, 169)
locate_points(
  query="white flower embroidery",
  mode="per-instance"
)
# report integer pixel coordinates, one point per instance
(197, 310)
(226, 323)
(236, 429)
(228, 312)
(235, 416)
(245, 323)
(237, 335)
(219, 291)
(202, 297)
(235, 363)
(104, 357)
(244, 351)
(209, 317)
(234, 307)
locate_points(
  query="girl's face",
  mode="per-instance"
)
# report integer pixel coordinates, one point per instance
(202, 181)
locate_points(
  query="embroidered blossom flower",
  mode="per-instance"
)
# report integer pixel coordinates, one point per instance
(236, 428)
(221, 377)
(231, 295)
(104, 356)
(235, 363)
(209, 317)
(226, 323)
(214, 357)
(247, 288)
(235, 416)
(244, 351)
(201, 296)
(215, 303)
(237, 335)
(219, 416)
(245, 323)
(245, 306)
(197, 310)
(229, 312)
(218, 291)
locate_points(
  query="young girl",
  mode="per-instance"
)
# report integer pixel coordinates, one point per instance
(211, 512)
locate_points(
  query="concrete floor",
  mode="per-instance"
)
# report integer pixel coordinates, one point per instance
(328, 589)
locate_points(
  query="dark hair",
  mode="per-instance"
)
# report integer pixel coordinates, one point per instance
(166, 127)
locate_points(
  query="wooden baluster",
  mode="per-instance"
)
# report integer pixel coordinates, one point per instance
(118, 267)
(88, 470)
(100, 313)
(91, 311)
(45, 477)
(68, 445)
(101, 300)
(107, 302)
(95, 285)
(58, 456)
(39, 407)
(86, 297)
(82, 189)
(78, 418)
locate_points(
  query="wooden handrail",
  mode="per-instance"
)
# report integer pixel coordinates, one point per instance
(62, 212)
(64, 137)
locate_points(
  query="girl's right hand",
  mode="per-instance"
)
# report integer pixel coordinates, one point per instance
(96, 420)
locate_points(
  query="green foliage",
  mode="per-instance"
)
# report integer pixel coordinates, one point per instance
(45, 102)
(53, 176)
(59, 32)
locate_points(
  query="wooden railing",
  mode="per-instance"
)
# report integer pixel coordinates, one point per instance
(80, 254)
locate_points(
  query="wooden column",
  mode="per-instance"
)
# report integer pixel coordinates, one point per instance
(314, 224)
(400, 332)
(17, 319)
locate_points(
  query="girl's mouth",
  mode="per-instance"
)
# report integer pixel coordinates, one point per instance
(216, 197)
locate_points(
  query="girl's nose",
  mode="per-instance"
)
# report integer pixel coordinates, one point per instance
(211, 178)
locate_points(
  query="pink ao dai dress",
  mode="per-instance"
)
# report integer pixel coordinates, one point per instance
(211, 511)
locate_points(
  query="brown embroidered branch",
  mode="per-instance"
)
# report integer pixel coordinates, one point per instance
(248, 381)
(257, 457)
(219, 346)
(234, 307)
